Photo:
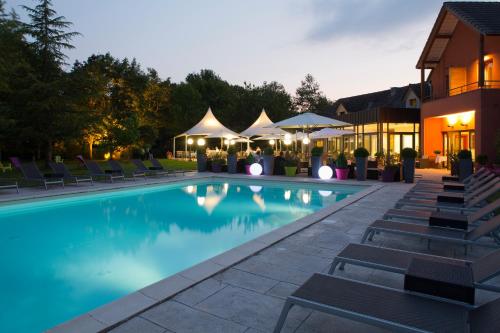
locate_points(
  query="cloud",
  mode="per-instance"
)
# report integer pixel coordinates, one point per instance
(335, 19)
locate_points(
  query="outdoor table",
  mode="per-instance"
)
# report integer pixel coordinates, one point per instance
(440, 279)
(451, 198)
(443, 219)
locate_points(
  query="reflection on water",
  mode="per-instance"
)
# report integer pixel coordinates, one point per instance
(90, 250)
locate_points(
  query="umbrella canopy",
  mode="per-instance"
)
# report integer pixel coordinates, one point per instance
(309, 120)
(259, 127)
(267, 137)
(210, 126)
(326, 133)
(241, 140)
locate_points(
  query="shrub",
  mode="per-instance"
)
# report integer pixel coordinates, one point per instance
(269, 151)
(464, 155)
(482, 159)
(380, 155)
(341, 162)
(361, 152)
(231, 150)
(408, 153)
(218, 158)
(250, 159)
(317, 151)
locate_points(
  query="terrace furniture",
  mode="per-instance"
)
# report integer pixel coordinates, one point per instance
(31, 172)
(444, 219)
(389, 308)
(468, 204)
(96, 171)
(117, 168)
(158, 166)
(473, 189)
(398, 261)
(453, 236)
(141, 167)
(7, 184)
(60, 168)
(5, 167)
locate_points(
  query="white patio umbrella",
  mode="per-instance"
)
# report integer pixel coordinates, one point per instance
(328, 132)
(309, 120)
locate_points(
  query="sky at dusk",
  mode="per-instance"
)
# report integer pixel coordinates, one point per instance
(349, 46)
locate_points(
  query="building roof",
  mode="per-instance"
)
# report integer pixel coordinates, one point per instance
(394, 97)
(480, 16)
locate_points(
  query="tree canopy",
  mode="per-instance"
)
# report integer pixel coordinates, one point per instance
(105, 104)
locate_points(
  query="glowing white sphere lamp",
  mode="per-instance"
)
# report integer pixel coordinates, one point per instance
(190, 141)
(306, 140)
(272, 142)
(325, 172)
(255, 169)
(232, 142)
(288, 136)
(226, 142)
(201, 142)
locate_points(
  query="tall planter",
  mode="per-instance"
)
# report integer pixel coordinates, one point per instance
(361, 167)
(464, 168)
(216, 167)
(232, 163)
(342, 173)
(290, 171)
(409, 170)
(315, 165)
(201, 161)
(268, 165)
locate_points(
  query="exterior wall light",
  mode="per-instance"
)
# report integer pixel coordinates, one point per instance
(465, 118)
(256, 169)
(325, 172)
(271, 142)
(452, 120)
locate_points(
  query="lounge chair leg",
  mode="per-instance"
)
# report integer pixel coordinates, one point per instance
(284, 313)
(333, 266)
(365, 235)
(45, 184)
(370, 238)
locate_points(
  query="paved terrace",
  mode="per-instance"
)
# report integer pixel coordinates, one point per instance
(248, 296)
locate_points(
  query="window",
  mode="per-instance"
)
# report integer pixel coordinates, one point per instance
(341, 110)
(412, 103)
(457, 77)
(488, 70)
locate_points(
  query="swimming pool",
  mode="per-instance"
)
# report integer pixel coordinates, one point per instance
(63, 257)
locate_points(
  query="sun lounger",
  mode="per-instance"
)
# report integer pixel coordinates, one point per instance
(453, 236)
(427, 215)
(97, 172)
(158, 166)
(485, 183)
(398, 261)
(31, 173)
(116, 167)
(392, 309)
(60, 168)
(141, 167)
(469, 204)
(8, 184)
(455, 178)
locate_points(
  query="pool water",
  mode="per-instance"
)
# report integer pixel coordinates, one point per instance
(60, 258)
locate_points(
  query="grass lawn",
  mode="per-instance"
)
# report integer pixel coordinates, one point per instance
(78, 169)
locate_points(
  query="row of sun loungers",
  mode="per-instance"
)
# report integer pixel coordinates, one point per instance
(61, 174)
(431, 300)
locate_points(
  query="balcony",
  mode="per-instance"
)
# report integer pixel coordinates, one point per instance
(489, 84)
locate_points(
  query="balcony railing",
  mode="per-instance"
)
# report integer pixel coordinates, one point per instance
(488, 84)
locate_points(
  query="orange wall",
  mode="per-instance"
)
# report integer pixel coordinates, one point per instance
(462, 51)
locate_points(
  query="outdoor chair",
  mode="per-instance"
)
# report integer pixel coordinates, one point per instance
(398, 261)
(430, 233)
(141, 167)
(158, 166)
(475, 175)
(5, 167)
(31, 173)
(117, 168)
(8, 184)
(60, 168)
(388, 308)
(97, 172)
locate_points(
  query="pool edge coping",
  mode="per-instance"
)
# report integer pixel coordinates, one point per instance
(112, 314)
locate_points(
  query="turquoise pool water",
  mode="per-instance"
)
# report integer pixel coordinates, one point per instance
(63, 257)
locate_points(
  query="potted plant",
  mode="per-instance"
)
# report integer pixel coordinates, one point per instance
(290, 166)
(232, 160)
(482, 160)
(380, 157)
(249, 161)
(268, 161)
(390, 172)
(361, 155)
(453, 160)
(217, 162)
(409, 155)
(316, 153)
(464, 164)
(341, 169)
(201, 159)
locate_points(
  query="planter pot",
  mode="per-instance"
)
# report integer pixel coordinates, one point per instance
(268, 165)
(201, 161)
(290, 171)
(342, 173)
(315, 165)
(454, 168)
(409, 170)
(247, 169)
(216, 167)
(361, 167)
(464, 169)
(232, 164)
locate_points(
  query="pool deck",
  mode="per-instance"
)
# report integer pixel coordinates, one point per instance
(243, 290)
